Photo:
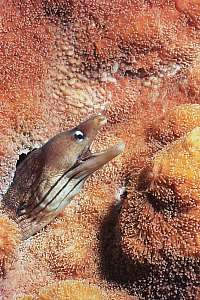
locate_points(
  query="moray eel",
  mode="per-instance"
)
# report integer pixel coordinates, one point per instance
(49, 177)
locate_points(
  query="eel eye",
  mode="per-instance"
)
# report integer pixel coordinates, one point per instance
(79, 135)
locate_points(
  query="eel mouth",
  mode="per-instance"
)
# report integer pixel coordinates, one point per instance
(89, 162)
(86, 154)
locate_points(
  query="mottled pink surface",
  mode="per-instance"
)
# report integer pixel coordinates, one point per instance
(60, 63)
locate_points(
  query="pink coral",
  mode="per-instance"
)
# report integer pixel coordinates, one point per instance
(64, 60)
(9, 241)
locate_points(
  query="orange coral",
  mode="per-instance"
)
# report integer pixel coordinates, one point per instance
(159, 221)
(69, 253)
(171, 201)
(64, 60)
(76, 290)
(9, 240)
(176, 122)
(130, 32)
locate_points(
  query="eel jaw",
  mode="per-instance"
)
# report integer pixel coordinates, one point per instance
(90, 162)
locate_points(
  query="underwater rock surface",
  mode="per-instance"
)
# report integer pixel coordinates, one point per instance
(135, 225)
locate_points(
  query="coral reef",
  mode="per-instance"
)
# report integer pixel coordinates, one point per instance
(75, 290)
(159, 221)
(9, 241)
(138, 63)
(145, 36)
(175, 123)
(171, 202)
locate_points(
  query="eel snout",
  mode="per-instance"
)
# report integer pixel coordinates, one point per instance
(90, 162)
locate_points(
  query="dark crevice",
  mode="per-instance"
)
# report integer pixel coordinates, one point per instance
(22, 156)
(61, 12)
(173, 278)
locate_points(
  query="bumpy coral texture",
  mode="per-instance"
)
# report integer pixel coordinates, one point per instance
(169, 185)
(9, 241)
(75, 290)
(138, 63)
(159, 220)
(175, 123)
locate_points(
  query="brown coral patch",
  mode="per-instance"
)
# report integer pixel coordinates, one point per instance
(191, 9)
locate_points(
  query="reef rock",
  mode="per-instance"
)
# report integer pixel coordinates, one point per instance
(137, 62)
(159, 221)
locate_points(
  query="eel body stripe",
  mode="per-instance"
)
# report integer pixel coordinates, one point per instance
(58, 193)
(48, 192)
(72, 190)
(52, 189)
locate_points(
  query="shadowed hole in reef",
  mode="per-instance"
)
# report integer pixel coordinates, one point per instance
(113, 261)
(59, 11)
(22, 157)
